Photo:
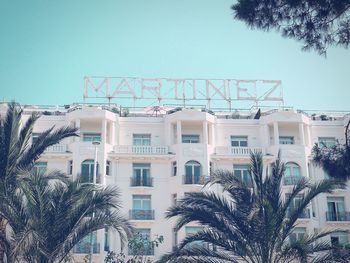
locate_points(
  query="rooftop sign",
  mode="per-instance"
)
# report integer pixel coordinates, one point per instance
(159, 91)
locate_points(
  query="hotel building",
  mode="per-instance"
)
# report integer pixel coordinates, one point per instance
(156, 158)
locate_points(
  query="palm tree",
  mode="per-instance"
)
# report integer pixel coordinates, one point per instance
(335, 160)
(47, 217)
(17, 155)
(250, 221)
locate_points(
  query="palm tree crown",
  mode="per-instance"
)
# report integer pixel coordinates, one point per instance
(48, 216)
(250, 221)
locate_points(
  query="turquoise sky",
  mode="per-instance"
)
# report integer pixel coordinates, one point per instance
(47, 47)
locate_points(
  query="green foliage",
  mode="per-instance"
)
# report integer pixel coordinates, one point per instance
(317, 24)
(140, 247)
(44, 213)
(251, 222)
(334, 160)
(125, 112)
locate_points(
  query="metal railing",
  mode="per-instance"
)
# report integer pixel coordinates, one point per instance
(339, 216)
(147, 251)
(88, 178)
(303, 215)
(292, 180)
(85, 248)
(140, 214)
(141, 149)
(147, 182)
(191, 179)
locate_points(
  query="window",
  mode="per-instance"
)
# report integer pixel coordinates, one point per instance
(326, 141)
(173, 199)
(108, 167)
(173, 168)
(145, 235)
(84, 245)
(175, 238)
(191, 230)
(141, 174)
(70, 167)
(192, 172)
(35, 137)
(106, 245)
(141, 205)
(336, 209)
(339, 239)
(190, 138)
(297, 234)
(92, 137)
(326, 175)
(292, 174)
(286, 140)
(239, 141)
(87, 172)
(242, 172)
(295, 203)
(40, 167)
(141, 139)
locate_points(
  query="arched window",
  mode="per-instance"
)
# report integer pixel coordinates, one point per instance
(193, 172)
(87, 172)
(292, 174)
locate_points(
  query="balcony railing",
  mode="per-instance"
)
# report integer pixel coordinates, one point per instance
(141, 149)
(340, 216)
(88, 178)
(292, 180)
(147, 251)
(85, 248)
(138, 214)
(191, 179)
(304, 215)
(147, 182)
(57, 148)
(238, 151)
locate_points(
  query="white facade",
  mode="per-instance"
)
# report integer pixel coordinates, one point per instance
(142, 150)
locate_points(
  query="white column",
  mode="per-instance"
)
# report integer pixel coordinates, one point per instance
(205, 132)
(266, 134)
(212, 129)
(113, 133)
(168, 133)
(276, 134)
(77, 125)
(301, 134)
(178, 132)
(104, 131)
(308, 136)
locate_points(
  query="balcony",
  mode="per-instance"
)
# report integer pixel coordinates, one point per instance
(141, 149)
(141, 214)
(145, 182)
(190, 179)
(88, 178)
(292, 180)
(57, 148)
(304, 215)
(147, 251)
(238, 151)
(340, 216)
(86, 247)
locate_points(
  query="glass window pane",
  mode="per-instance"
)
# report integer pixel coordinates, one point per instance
(146, 204)
(197, 171)
(188, 170)
(136, 204)
(234, 143)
